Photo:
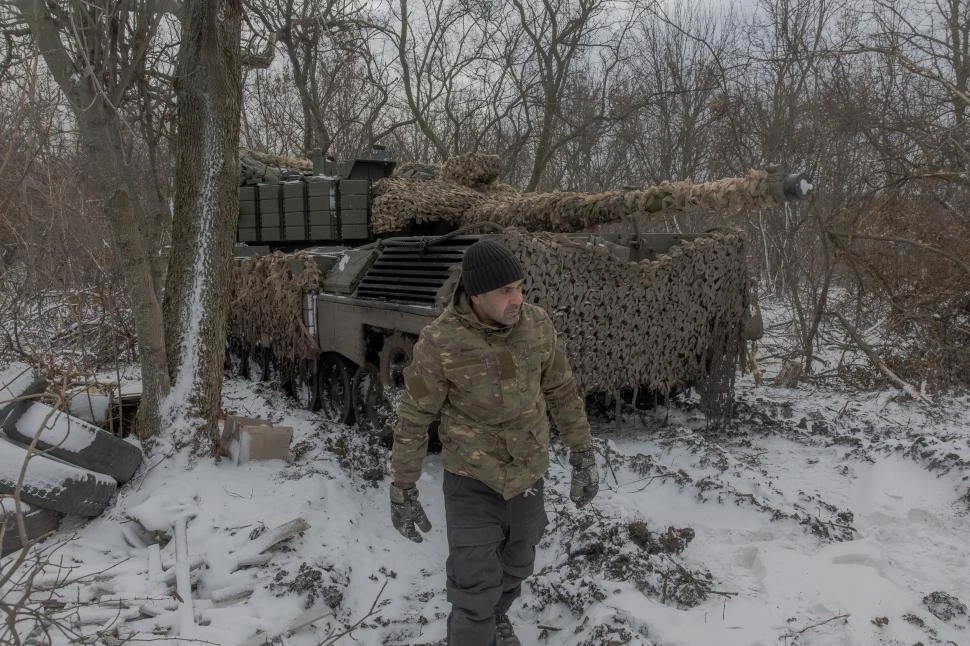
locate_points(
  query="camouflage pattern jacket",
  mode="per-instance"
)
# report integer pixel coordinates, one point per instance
(491, 387)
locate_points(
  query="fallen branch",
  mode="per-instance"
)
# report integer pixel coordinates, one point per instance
(795, 633)
(183, 584)
(308, 617)
(332, 639)
(250, 553)
(878, 363)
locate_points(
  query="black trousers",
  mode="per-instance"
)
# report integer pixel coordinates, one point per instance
(491, 550)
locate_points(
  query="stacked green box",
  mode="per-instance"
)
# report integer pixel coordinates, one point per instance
(248, 226)
(322, 209)
(353, 208)
(294, 211)
(269, 212)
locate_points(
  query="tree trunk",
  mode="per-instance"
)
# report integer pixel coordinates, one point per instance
(100, 132)
(209, 95)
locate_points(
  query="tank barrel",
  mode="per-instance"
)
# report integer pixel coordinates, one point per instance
(788, 187)
(400, 202)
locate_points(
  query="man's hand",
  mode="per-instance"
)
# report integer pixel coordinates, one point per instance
(586, 477)
(406, 512)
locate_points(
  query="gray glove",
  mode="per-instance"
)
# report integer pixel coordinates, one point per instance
(406, 512)
(586, 477)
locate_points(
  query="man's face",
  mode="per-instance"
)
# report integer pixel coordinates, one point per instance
(500, 306)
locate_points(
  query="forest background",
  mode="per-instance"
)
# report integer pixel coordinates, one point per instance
(120, 124)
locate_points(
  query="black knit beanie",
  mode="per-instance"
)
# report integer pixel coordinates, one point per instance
(488, 265)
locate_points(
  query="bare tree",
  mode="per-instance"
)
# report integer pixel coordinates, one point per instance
(102, 55)
(439, 48)
(682, 76)
(94, 52)
(556, 43)
(340, 83)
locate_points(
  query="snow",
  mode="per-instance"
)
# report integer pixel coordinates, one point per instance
(344, 261)
(822, 517)
(90, 406)
(53, 427)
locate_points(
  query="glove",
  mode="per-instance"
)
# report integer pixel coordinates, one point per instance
(586, 477)
(406, 512)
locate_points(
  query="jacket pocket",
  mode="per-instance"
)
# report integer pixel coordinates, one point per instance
(474, 387)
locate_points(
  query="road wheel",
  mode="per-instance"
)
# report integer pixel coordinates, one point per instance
(302, 385)
(372, 411)
(235, 362)
(257, 364)
(395, 356)
(335, 389)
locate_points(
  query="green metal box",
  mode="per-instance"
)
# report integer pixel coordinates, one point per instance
(269, 220)
(247, 207)
(269, 198)
(353, 231)
(322, 195)
(322, 233)
(353, 216)
(248, 234)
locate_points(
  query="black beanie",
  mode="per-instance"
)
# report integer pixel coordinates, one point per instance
(488, 265)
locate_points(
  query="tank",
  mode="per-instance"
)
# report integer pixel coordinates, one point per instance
(348, 261)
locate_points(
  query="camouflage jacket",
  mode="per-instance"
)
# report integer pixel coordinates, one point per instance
(491, 387)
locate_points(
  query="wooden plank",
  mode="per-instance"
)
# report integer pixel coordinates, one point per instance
(308, 617)
(183, 584)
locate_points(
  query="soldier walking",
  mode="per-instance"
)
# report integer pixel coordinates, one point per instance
(490, 366)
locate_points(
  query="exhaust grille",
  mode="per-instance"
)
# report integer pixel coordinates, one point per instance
(412, 270)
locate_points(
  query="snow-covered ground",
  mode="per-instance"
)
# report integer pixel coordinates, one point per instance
(818, 517)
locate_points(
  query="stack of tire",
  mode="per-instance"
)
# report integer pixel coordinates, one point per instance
(75, 467)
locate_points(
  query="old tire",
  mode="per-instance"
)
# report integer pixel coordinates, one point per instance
(258, 363)
(53, 484)
(372, 411)
(395, 355)
(37, 523)
(335, 388)
(236, 359)
(19, 400)
(75, 441)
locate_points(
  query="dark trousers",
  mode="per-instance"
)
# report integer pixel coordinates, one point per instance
(491, 550)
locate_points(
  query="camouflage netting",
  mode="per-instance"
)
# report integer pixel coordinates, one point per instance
(661, 324)
(471, 169)
(267, 304)
(399, 202)
(256, 167)
(403, 201)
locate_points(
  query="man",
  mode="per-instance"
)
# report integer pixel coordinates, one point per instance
(489, 366)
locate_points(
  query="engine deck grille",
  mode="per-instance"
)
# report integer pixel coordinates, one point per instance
(412, 270)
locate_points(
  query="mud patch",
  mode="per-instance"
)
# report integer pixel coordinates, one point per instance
(946, 607)
(365, 459)
(313, 582)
